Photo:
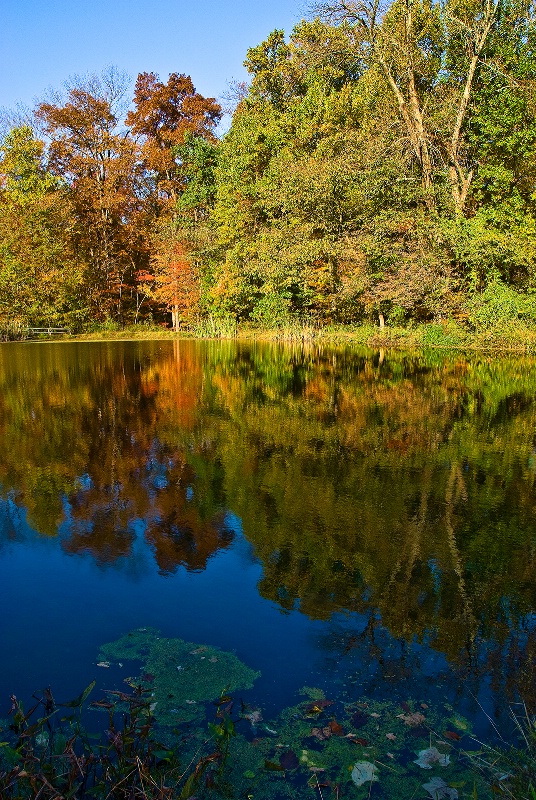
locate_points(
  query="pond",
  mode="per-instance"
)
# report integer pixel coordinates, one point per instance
(343, 540)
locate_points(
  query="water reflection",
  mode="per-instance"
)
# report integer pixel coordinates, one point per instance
(397, 486)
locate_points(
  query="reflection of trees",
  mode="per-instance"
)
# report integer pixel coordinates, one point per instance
(81, 448)
(391, 483)
(399, 484)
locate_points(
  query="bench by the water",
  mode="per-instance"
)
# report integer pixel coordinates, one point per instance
(30, 332)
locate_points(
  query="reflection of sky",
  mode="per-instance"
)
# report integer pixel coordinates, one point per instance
(59, 608)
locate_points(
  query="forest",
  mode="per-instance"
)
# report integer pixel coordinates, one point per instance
(379, 167)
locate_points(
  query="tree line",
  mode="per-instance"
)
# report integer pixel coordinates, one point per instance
(380, 164)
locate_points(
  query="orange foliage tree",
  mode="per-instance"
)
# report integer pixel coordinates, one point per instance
(100, 164)
(176, 281)
(164, 114)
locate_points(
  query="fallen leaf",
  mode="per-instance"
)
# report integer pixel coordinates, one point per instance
(289, 760)
(254, 717)
(390, 736)
(376, 716)
(364, 771)
(321, 733)
(359, 719)
(431, 756)
(414, 719)
(423, 705)
(390, 755)
(104, 664)
(439, 790)
(335, 728)
(273, 767)
(452, 735)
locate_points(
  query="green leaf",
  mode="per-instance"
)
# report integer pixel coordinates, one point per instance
(79, 700)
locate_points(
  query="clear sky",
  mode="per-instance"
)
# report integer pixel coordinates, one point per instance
(42, 42)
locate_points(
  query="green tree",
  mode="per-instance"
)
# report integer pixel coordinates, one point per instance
(41, 279)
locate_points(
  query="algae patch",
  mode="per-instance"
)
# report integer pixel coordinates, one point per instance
(179, 674)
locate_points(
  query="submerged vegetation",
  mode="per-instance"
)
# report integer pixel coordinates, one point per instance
(378, 169)
(180, 674)
(319, 748)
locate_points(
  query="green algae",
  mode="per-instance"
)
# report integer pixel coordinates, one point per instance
(329, 762)
(324, 739)
(181, 676)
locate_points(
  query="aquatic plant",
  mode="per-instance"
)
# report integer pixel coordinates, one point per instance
(53, 757)
(179, 676)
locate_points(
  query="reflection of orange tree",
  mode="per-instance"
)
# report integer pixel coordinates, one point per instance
(404, 484)
(102, 418)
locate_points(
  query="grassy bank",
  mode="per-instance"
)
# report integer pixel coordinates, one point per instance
(517, 337)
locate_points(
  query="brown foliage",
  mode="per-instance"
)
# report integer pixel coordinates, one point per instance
(165, 113)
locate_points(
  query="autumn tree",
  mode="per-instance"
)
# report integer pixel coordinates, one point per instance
(99, 162)
(164, 115)
(176, 279)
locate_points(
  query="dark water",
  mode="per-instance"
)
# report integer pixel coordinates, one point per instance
(363, 523)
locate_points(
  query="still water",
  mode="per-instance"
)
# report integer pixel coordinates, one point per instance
(358, 523)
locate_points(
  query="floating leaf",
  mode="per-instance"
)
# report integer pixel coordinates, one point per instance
(452, 735)
(413, 719)
(431, 756)
(357, 739)
(318, 706)
(273, 767)
(439, 790)
(362, 772)
(289, 760)
(335, 728)
(321, 733)
(359, 719)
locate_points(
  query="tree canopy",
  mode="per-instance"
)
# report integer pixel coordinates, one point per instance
(379, 164)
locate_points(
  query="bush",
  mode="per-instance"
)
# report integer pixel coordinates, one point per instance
(500, 305)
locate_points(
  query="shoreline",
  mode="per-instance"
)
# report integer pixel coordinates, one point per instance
(447, 336)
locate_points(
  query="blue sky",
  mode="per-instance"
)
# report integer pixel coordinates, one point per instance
(42, 42)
